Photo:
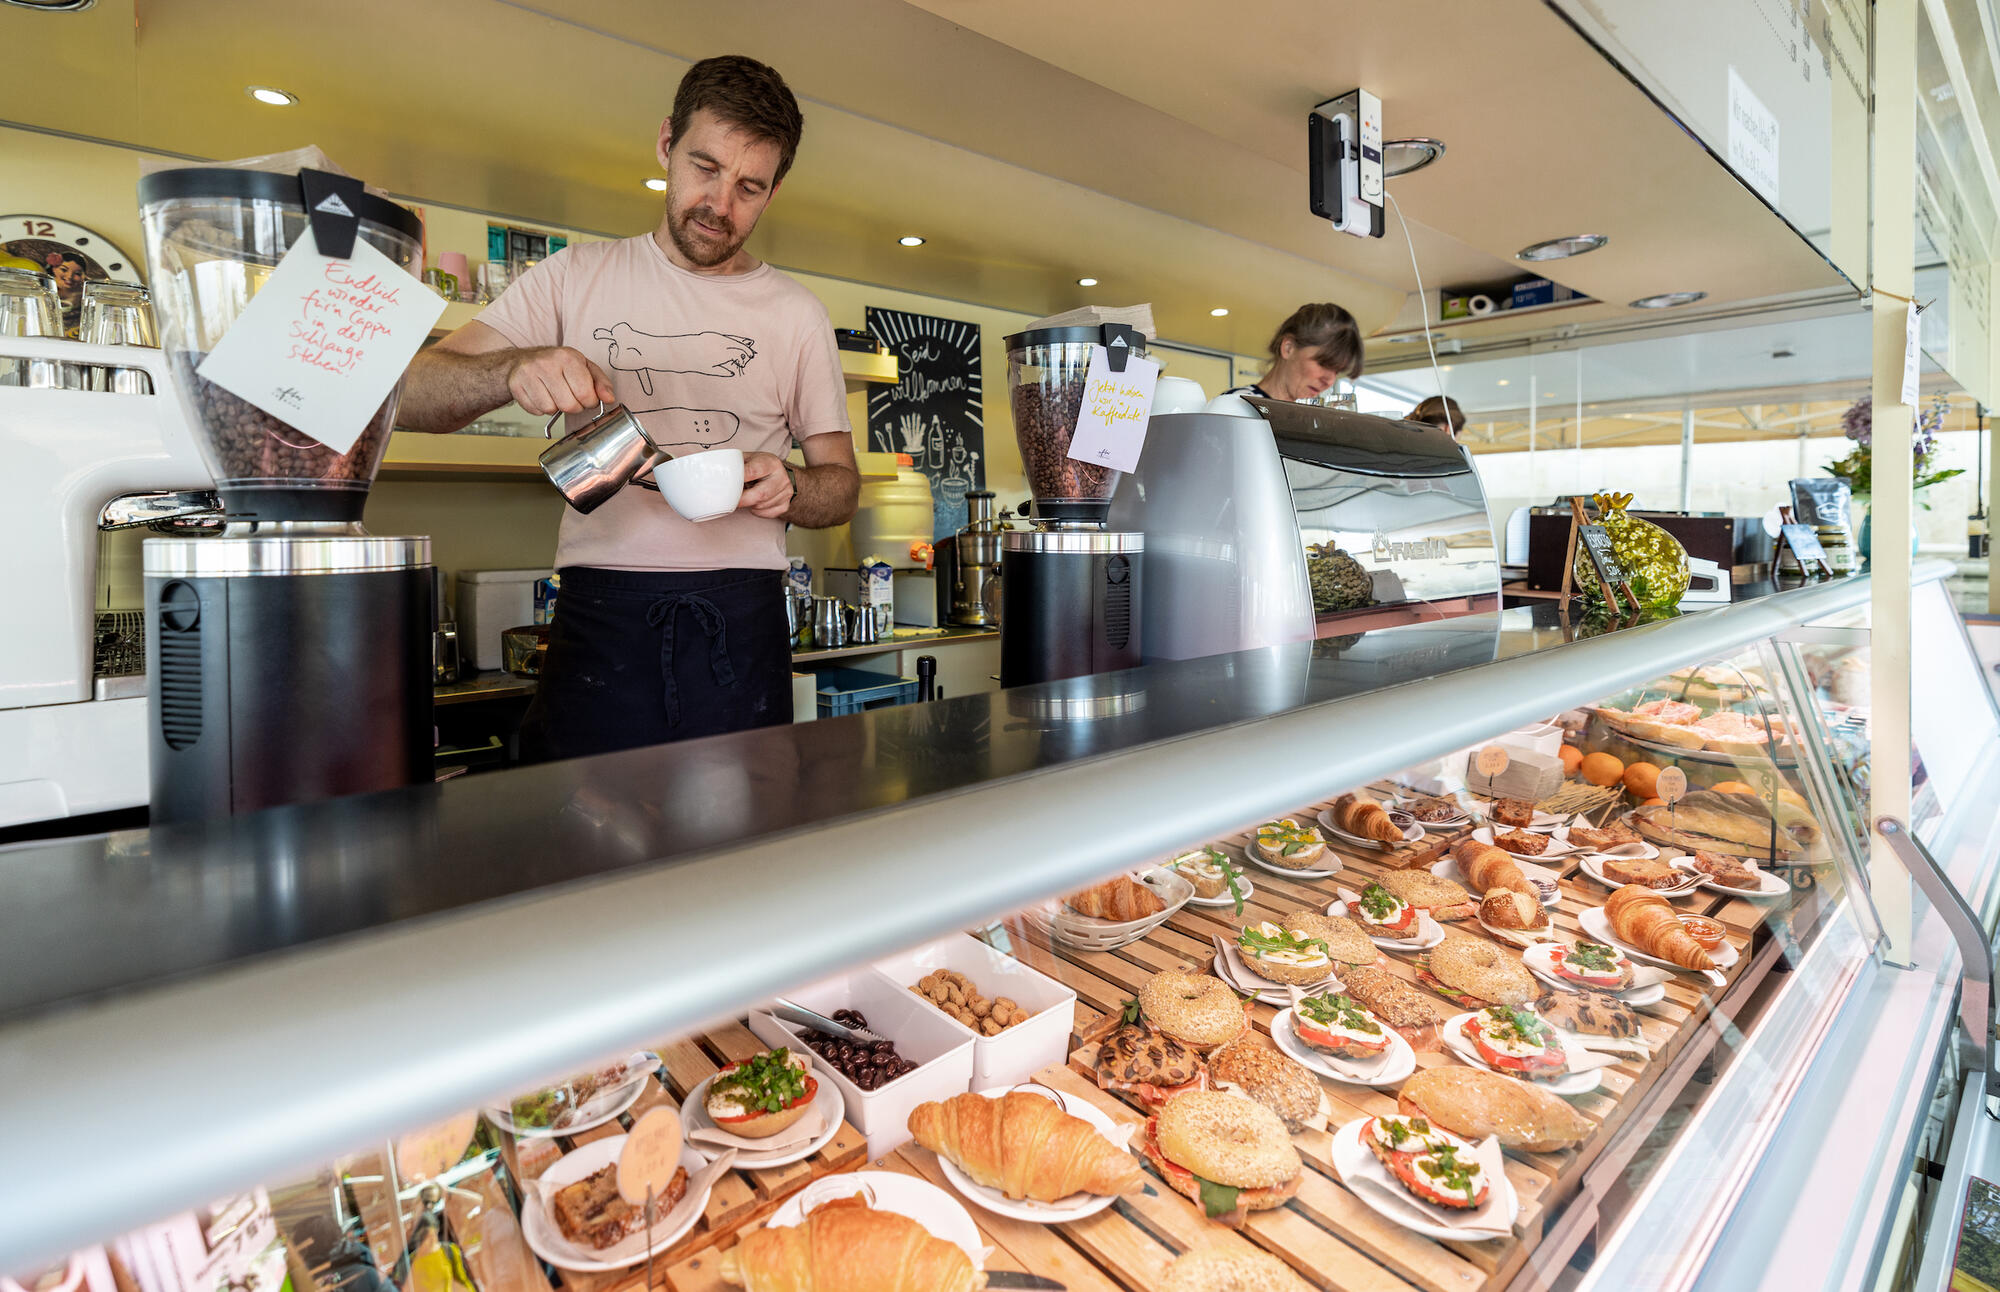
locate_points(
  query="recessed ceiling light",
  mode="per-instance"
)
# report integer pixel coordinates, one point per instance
(1562, 248)
(910, 240)
(1401, 156)
(1501, 382)
(265, 94)
(657, 185)
(1667, 300)
(1218, 313)
(1086, 282)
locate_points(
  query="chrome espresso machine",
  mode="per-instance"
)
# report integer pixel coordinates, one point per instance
(287, 655)
(1283, 522)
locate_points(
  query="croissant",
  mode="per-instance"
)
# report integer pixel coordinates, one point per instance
(1487, 868)
(1117, 899)
(1025, 1146)
(1642, 918)
(847, 1246)
(1359, 814)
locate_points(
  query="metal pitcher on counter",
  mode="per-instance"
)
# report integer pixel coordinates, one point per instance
(829, 623)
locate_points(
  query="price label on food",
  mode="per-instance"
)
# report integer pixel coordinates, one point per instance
(1117, 403)
(320, 346)
(1490, 761)
(1671, 786)
(430, 1152)
(651, 1155)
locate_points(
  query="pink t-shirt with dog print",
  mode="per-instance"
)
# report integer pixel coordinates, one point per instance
(743, 361)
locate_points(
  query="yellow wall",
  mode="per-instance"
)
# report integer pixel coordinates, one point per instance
(500, 526)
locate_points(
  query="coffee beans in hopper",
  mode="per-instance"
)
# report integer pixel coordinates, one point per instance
(250, 444)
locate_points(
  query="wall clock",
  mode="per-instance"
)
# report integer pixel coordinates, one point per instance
(69, 253)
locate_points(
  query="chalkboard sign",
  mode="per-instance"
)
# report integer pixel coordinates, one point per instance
(1804, 544)
(1596, 541)
(936, 412)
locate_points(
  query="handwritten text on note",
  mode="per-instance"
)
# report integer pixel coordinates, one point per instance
(323, 342)
(1111, 426)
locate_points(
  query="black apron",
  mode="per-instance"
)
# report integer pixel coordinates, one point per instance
(644, 657)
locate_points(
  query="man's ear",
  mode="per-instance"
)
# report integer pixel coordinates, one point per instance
(666, 143)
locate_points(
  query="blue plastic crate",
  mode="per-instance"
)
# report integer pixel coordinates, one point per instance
(851, 690)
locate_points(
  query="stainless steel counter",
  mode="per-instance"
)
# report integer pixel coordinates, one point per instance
(473, 937)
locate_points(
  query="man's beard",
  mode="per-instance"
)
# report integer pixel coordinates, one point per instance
(696, 245)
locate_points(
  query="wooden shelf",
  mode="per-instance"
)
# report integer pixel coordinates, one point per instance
(864, 370)
(413, 455)
(456, 315)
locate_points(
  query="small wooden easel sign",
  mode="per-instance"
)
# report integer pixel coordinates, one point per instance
(1596, 541)
(1803, 544)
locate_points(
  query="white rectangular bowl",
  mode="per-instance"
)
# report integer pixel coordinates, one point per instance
(1022, 1050)
(941, 1049)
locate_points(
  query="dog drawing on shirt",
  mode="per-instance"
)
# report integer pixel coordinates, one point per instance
(700, 354)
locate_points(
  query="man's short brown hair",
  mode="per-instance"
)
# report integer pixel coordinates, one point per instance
(744, 93)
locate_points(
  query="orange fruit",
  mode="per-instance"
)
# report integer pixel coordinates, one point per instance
(1601, 769)
(1733, 787)
(1654, 803)
(1572, 759)
(1640, 779)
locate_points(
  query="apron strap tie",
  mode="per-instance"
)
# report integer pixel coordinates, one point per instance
(663, 615)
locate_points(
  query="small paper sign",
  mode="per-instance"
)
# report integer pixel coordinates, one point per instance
(322, 344)
(1671, 786)
(1111, 426)
(1804, 544)
(1912, 356)
(1597, 542)
(651, 1155)
(430, 1152)
(1490, 761)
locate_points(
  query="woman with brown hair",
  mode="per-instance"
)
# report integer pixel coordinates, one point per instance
(1439, 410)
(1319, 344)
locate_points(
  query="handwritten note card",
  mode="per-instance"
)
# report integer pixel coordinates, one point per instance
(324, 341)
(1111, 427)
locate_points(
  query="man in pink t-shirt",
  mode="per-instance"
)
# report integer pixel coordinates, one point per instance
(668, 629)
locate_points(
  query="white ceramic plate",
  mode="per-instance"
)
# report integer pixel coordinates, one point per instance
(1540, 960)
(1461, 1046)
(539, 1227)
(1257, 859)
(1558, 846)
(1074, 1207)
(1772, 885)
(1430, 932)
(1411, 830)
(1545, 880)
(1593, 865)
(597, 1110)
(1596, 924)
(828, 1104)
(1249, 891)
(1368, 1179)
(923, 1202)
(1389, 1068)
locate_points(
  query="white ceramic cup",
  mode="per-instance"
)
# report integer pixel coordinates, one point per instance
(702, 486)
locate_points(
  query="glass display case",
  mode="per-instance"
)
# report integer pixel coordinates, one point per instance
(1340, 883)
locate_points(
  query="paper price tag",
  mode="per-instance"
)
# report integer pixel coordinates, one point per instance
(1913, 356)
(651, 1155)
(430, 1152)
(1490, 761)
(1111, 426)
(1671, 786)
(324, 341)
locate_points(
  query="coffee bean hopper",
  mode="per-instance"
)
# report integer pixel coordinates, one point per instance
(289, 655)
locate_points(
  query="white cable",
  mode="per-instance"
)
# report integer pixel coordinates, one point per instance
(1423, 301)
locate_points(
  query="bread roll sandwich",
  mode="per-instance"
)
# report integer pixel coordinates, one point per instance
(762, 1095)
(1442, 898)
(1476, 1104)
(1385, 915)
(1505, 909)
(1273, 952)
(1517, 1042)
(1229, 1154)
(1472, 973)
(1288, 845)
(1340, 1026)
(1738, 824)
(847, 1246)
(1362, 816)
(1212, 874)
(1146, 1064)
(1592, 965)
(1025, 1146)
(1486, 868)
(1397, 1003)
(1229, 1269)
(1119, 900)
(1644, 920)
(1253, 1069)
(1346, 941)
(1431, 1162)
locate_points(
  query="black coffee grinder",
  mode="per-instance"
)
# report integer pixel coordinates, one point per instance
(1069, 588)
(290, 655)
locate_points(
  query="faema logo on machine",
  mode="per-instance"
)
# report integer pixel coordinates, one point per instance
(325, 340)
